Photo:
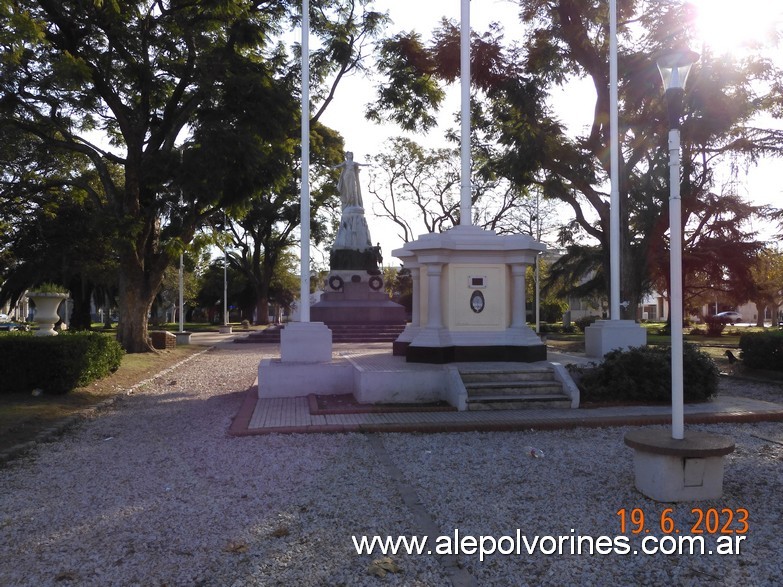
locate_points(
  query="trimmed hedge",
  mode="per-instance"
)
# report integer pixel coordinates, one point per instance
(584, 322)
(645, 374)
(762, 350)
(56, 364)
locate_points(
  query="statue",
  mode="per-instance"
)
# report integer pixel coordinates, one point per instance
(348, 184)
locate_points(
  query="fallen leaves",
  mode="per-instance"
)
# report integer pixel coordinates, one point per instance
(381, 566)
(235, 547)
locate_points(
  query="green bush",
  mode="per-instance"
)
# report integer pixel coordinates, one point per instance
(56, 364)
(762, 350)
(584, 322)
(715, 325)
(644, 374)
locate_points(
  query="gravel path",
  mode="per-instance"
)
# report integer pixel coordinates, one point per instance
(152, 491)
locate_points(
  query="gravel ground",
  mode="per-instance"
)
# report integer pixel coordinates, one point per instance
(152, 491)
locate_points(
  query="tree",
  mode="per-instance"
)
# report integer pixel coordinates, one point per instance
(144, 73)
(418, 188)
(567, 39)
(264, 231)
(39, 239)
(766, 272)
(718, 252)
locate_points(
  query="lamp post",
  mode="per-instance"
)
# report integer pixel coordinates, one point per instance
(181, 295)
(674, 68)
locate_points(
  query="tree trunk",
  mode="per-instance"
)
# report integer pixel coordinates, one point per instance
(137, 292)
(761, 308)
(262, 310)
(81, 295)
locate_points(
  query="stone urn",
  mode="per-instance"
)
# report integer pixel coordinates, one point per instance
(46, 317)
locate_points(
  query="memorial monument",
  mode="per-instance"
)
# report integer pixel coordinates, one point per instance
(353, 291)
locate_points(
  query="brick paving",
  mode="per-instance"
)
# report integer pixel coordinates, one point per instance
(292, 415)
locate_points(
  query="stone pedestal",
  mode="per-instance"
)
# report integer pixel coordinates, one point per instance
(353, 232)
(305, 365)
(225, 329)
(183, 337)
(356, 297)
(608, 335)
(305, 342)
(674, 470)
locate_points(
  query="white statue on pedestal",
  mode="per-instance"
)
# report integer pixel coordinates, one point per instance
(348, 184)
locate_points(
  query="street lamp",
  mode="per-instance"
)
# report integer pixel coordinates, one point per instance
(674, 68)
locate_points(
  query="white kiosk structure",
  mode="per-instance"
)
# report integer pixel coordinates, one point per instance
(469, 298)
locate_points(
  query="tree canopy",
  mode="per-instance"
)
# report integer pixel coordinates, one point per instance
(172, 111)
(568, 39)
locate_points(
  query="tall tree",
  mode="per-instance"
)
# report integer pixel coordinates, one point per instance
(569, 39)
(144, 74)
(767, 284)
(266, 228)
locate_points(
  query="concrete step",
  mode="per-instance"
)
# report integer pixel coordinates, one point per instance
(544, 374)
(524, 402)
(513, 389)
(357, 333)
(521, 388)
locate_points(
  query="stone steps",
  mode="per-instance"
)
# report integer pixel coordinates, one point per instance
(513, 390)
(355, 333)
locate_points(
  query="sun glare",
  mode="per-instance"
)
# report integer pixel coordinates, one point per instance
(728, 26)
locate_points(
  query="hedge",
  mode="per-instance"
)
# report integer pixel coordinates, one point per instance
(762, 350)
(645, 374)
(55, 364)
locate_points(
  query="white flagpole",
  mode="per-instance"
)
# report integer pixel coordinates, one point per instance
(304, 292)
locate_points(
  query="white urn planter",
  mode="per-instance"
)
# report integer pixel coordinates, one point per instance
(46, 317)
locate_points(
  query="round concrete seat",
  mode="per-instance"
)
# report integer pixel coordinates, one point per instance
(695, 444)
(671, 470)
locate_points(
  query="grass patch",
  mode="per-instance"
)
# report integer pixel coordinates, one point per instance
(24, 416)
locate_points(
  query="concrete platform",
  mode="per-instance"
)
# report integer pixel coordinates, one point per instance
(292, 416)
(374, 375)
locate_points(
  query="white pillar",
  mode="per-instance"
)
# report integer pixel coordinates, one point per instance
(675, 295)
(304, 291)
(466, 212)
(518, 296)
(416, 296)
(434, 311)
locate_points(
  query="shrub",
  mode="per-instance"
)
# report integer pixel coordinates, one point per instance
(56, 364)
(715, 325)
(762, 350)
(644, 374)
(549, 328)
(585, 321)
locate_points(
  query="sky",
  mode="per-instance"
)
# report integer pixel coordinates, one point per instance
(725, 25)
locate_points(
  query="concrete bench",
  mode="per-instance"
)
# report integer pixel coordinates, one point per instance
(672, 470)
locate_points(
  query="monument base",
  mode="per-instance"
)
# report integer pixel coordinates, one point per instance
(466, 354)
(608, 335)
(441, 345)
(673, 470)
(356, 297)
